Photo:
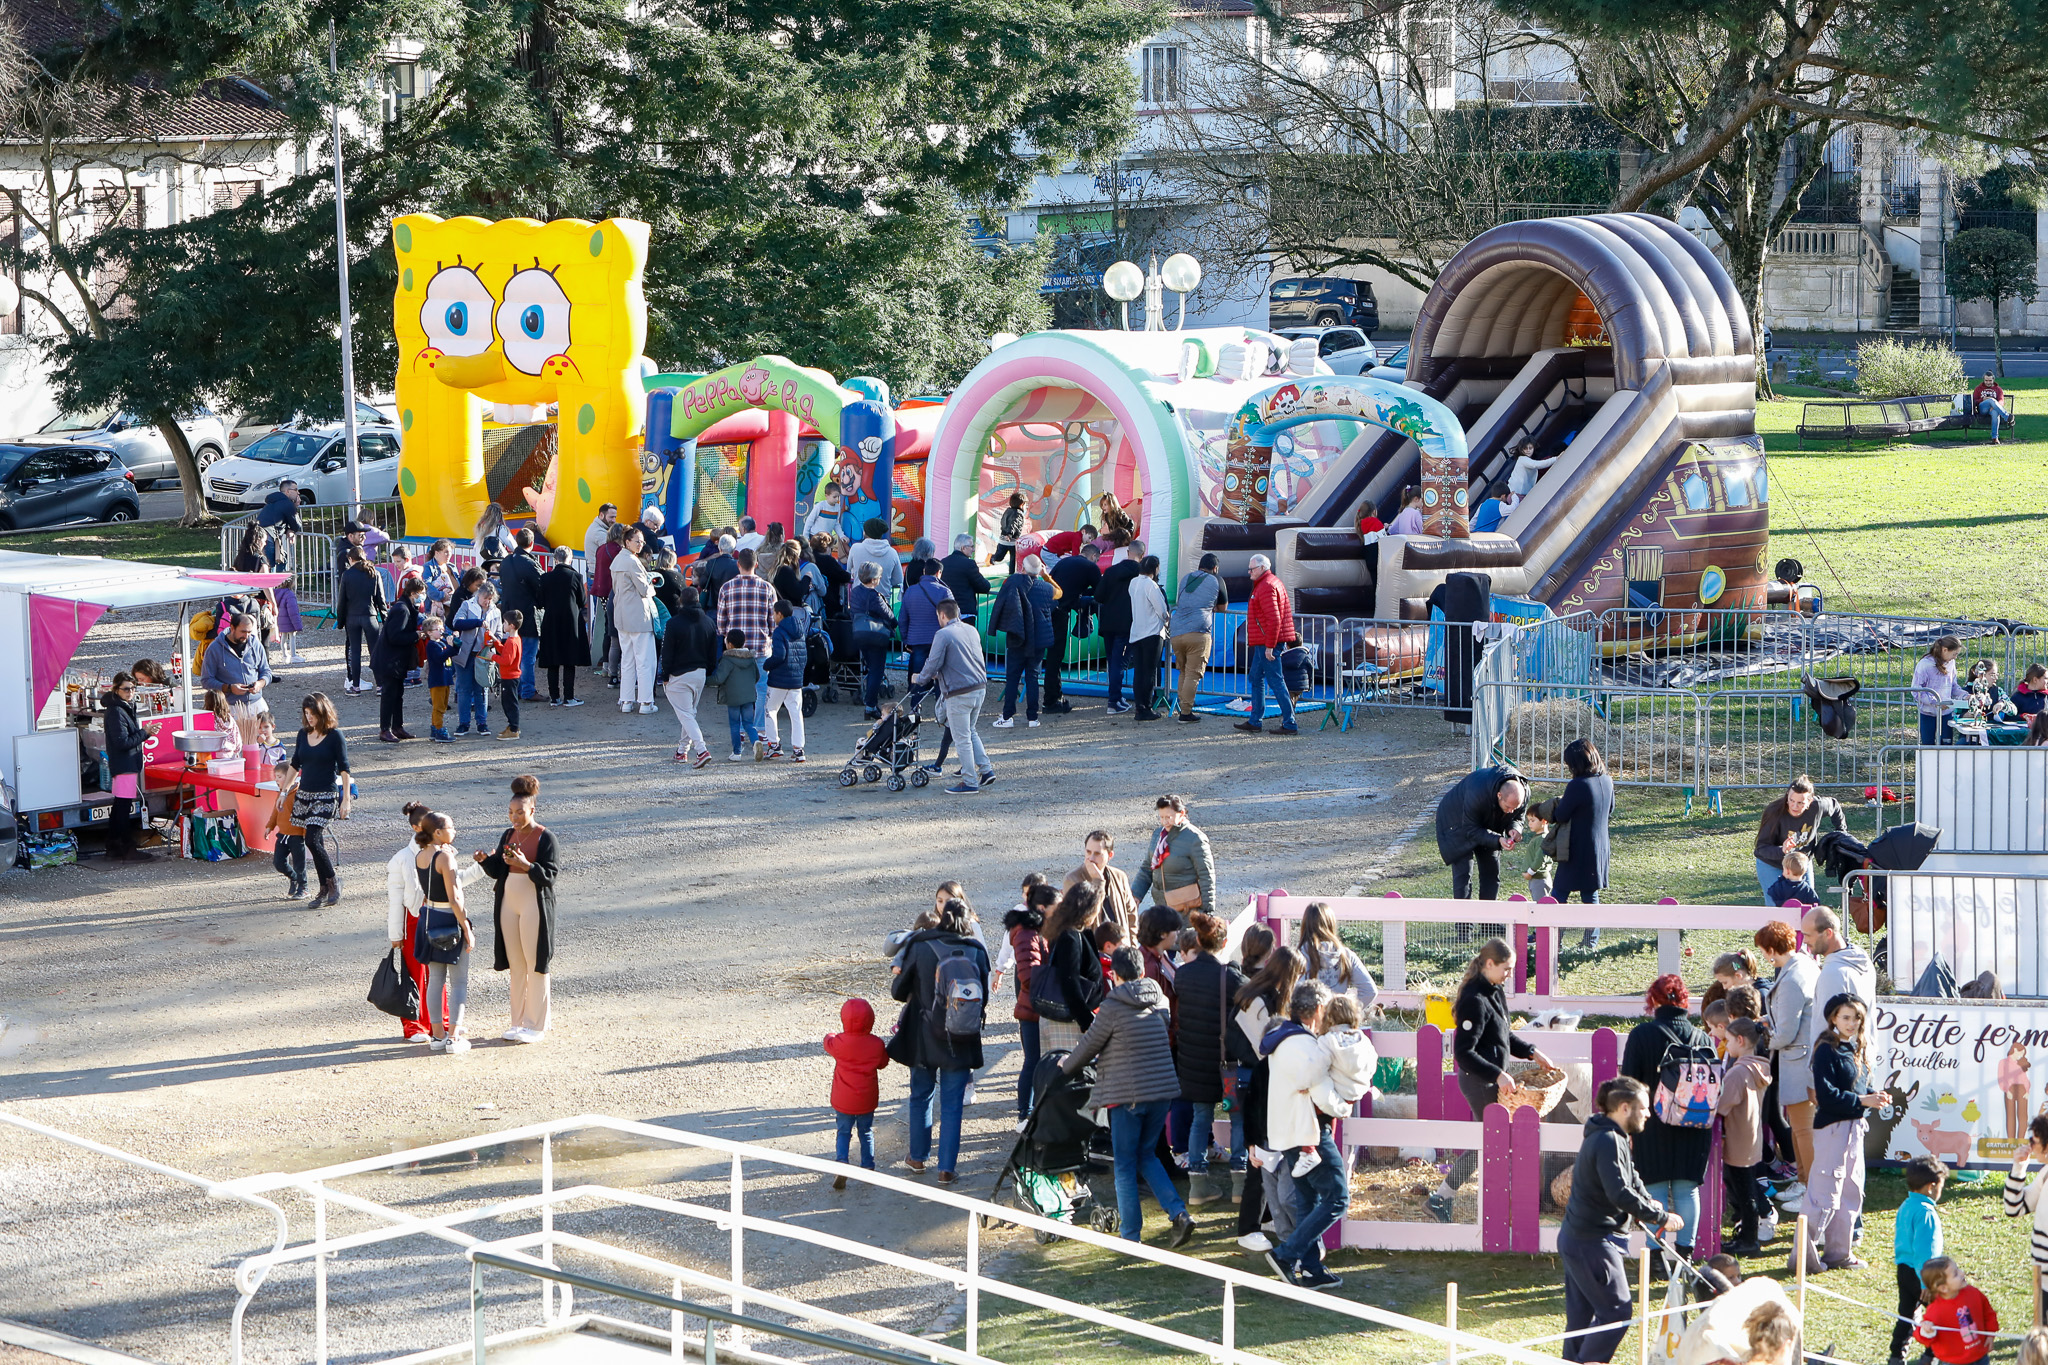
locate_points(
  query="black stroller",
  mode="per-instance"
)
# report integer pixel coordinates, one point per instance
(1050, 1164)
(818, 668)
(890, 746)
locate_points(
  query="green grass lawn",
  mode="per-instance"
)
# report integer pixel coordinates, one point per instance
(152, 542)
(1510, 1298)
(1943, 524)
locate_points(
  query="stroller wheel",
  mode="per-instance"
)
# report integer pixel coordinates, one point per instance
(1103, 1219)
(873, 772)
(919, 777)
(896, 782)
(1042, 1237)
(848, 777)
(810, 702)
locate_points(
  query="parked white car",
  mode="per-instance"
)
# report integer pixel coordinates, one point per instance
(314, 458)
(257, 423)
(138, 444)
(1346, 350)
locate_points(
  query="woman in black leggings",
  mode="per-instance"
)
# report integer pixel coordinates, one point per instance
(395, 654)
(1482, 1045)
(321, 760)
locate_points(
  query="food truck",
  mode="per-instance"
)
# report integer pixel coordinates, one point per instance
(54, 782)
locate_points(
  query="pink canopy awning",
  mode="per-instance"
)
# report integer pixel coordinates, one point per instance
(244, 580)
(55, 626)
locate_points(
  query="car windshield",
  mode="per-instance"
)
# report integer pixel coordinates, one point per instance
(88, 419)
(287, 447)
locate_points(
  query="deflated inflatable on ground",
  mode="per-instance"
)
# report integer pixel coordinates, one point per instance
(497, 321)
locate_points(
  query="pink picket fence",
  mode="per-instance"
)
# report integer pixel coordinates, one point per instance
(1535, 978)
(1510, 1175)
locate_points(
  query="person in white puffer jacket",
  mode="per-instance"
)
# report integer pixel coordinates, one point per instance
(402, 888)
(1353, 1060)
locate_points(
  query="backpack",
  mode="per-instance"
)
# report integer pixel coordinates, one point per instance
(957, 989)
(1688, 1086)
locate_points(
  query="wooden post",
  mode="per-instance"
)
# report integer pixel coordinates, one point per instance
(1451, 1320)
(1643, 1287)
(1799, 1250)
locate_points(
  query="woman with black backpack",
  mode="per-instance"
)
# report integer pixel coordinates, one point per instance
(944, 987)
(1670, 1158)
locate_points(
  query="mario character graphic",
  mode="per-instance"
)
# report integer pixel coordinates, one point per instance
(856, 476)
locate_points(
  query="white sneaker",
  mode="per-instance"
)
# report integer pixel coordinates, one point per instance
(625, 708)
(515, 1034)
(459, 1045)
(1255, 1241)
(1031, 724)
(1307, 1162)
(437, 1045)
(1006, 723)
(648, 708)
(531, 1036)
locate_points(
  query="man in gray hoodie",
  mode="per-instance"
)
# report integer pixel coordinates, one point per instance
(1191, 628)
(877, 550)
(1845, 969)
(956, 664)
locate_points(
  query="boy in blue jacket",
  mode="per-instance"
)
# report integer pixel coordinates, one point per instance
(1916, 1240)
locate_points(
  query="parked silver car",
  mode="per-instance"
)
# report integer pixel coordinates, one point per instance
(139, 446)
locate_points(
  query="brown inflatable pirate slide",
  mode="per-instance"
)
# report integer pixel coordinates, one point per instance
(1618, 346)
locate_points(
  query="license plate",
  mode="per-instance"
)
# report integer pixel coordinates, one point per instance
(102, 812)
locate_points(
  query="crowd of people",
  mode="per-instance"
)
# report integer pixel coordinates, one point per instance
(1124, 980)
(656, 630)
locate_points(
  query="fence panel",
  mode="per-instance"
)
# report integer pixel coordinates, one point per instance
(1984, 800)
(1766, 738)
(1975, 921)
(1648, 738)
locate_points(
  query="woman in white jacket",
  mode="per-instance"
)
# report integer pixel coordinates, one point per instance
(1149, 617)
(633, 618)
(1296, 1063)
(402, 888)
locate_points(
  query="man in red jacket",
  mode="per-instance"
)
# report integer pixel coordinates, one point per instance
(856, 1056)
(1268, 627)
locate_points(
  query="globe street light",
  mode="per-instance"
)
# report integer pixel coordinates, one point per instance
(1124, 282)
(1181, 274)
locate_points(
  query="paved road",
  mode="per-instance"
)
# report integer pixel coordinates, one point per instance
(711, 923)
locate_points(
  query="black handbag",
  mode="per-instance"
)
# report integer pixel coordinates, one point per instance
(392, 991)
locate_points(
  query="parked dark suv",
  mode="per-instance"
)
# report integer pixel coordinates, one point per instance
(51, 485)
(1323, 303)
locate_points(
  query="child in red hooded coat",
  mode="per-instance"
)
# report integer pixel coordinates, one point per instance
(857, 1055)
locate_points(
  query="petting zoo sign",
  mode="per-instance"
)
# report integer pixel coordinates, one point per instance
(1962, 1081)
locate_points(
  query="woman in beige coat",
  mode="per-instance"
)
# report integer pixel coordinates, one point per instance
(633, 618)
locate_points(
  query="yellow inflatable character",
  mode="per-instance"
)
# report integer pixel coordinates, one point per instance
(518, 313)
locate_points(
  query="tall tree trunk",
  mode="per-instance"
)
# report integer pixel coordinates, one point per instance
(1997, 350)
(195, 513)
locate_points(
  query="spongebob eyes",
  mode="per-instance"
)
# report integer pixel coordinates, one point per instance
(457, 314)
(533, 320)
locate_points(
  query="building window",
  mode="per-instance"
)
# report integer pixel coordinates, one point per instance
(232, 194)
(1161, 75)
(401, 88)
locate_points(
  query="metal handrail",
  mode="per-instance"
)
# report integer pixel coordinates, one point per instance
(249, 1277)
(537, 1270)
(737, 1221)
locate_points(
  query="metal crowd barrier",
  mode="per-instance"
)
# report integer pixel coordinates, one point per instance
(1974, 921)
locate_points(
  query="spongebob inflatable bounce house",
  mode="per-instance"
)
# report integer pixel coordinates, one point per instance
(497, 322)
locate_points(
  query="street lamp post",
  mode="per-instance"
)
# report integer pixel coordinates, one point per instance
(348, 351)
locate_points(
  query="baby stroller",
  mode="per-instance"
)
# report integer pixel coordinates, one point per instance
(818, 669)
(890, 745)
(844, 668)
(1050, 1163)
